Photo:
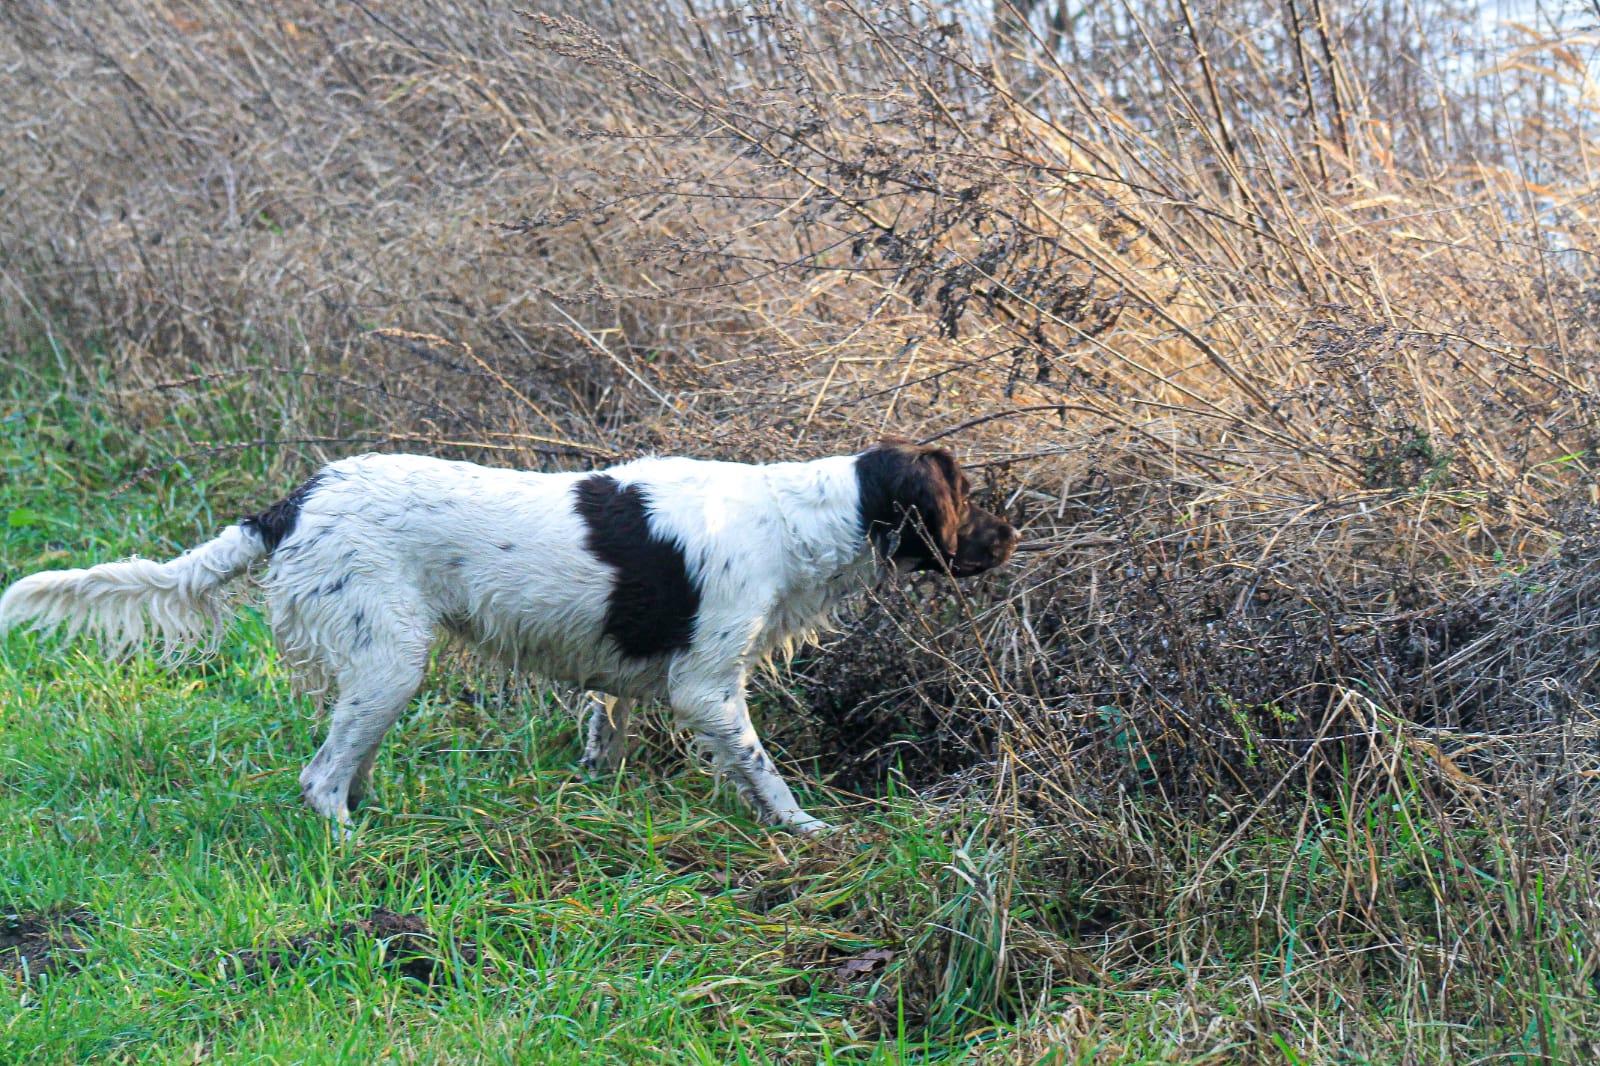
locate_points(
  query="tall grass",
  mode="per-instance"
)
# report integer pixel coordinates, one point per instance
(1274, 326)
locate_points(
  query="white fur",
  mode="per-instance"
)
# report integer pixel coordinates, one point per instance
(388, 550)
(118, 602)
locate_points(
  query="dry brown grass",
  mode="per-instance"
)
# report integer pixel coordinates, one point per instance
(1281, 350)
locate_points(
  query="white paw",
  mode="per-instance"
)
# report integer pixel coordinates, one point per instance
(325, 800)
(805, 825)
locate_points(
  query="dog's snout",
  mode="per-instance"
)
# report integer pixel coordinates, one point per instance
(1007, 539)
(986, 541)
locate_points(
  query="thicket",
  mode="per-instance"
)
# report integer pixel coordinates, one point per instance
(1273, 326)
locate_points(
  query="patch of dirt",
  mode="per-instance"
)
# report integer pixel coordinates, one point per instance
(45, 943)
(409, 947)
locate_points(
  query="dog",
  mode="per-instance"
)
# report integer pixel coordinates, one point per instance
(659, 578)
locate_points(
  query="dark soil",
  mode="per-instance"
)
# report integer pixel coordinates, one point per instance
(46, 943)
(409, 947)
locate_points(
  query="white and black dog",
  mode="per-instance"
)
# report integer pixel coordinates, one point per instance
(660, 578)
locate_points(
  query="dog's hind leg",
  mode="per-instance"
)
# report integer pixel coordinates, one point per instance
(372, 694)
(608, 733)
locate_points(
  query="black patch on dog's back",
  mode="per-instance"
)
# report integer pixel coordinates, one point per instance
(276, 523)
(653, 603)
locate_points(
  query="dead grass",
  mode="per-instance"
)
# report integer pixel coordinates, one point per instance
(1277, 338)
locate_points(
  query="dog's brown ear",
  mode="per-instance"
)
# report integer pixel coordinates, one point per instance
(942, 485)
(904, 486)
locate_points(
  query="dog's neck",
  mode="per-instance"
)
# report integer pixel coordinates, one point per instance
(818, 504)
(825, 554)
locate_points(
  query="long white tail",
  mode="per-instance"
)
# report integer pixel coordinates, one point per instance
(121, 602)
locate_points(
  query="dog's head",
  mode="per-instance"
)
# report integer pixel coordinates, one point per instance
(915, 507)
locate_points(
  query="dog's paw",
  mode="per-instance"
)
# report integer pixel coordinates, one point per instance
(807, 826)
(595, 768)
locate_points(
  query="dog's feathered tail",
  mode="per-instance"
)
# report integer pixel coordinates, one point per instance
(181, 600)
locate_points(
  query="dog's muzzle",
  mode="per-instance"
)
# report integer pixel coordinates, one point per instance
(984, 542)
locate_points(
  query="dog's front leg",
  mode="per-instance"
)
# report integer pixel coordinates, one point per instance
(721, 721)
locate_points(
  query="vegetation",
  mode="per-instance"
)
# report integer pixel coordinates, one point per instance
(1273, 326)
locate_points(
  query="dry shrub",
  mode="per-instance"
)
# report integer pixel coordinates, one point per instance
(229, 199)
(1280, 350)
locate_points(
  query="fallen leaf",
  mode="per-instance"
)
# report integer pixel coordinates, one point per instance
(866, 963)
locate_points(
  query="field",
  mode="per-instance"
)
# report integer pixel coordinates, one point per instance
(1273, 327)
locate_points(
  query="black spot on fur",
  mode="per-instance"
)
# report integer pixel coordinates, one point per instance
(336, 586)
(275, 524)
(653, 603)
(362, 639)
(506, 547)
